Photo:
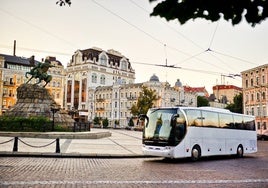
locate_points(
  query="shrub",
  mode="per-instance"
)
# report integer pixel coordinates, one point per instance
(14, 123)
(105, 123)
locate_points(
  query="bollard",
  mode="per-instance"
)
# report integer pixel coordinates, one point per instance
(15, 146)
(57, 145)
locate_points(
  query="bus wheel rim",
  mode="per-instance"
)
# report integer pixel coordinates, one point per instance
(240, 151)
(195, 153)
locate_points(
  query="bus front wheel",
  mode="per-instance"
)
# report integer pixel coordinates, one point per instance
(196, 153)
(240, 151)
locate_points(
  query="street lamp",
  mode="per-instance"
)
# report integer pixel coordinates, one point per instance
(73, 112)
(53, 109)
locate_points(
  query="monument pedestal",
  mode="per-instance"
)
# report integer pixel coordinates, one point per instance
(33, 100)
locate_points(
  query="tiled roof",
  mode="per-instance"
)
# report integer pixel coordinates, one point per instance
(221, 87)
(18, 60)
(92, 52)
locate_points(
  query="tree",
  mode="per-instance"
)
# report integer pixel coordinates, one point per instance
(254, 11)
(145, 101)
(105, 123)
(237, 106)
(202, 101)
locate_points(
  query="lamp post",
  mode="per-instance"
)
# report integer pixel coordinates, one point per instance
(53, 109)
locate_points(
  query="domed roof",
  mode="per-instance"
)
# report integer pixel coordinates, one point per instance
(154, 78)
(178, 83)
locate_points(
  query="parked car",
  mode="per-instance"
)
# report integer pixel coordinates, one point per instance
(262, 137)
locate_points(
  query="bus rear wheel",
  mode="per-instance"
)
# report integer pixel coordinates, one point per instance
(196, 153)
(240, 151)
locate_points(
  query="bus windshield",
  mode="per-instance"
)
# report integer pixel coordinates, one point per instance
(159, 129)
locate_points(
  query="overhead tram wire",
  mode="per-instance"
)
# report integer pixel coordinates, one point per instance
(191, 41)
(171, 28)
(139, 29)
(233, 57)
(152, 37)
(36, 50)
(182, 68)
(113, 13)
(37, 27)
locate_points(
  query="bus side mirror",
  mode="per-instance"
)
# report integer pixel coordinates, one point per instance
(143, 117)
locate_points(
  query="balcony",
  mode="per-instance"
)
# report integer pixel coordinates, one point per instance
(132, 98)
(6, 83)
(100, 109)
(100, 100)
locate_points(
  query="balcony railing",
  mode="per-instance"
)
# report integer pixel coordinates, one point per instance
(100, 100)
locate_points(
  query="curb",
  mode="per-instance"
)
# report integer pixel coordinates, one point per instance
(71, 155)
(54, 135)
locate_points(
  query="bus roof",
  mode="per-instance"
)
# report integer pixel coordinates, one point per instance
(208, 108)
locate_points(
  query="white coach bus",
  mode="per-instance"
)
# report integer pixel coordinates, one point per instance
(196, 132)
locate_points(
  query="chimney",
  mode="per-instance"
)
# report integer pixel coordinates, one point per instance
(14, 48)
(31, 60)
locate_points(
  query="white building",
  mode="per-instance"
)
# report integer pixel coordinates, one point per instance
(114, 102)
(91, 68)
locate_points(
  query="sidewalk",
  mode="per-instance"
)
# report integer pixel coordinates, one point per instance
(96, 143)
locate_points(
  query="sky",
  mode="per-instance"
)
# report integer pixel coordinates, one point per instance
(206, 53)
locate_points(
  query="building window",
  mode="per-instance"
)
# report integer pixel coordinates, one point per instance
(258, 111)
(94, 78)
(252, 97)
(124, 65)
(264, 110)
(69, 91)
(252, 111)
(102, 79)
(264, 126)
(251, 82)
(103, 60)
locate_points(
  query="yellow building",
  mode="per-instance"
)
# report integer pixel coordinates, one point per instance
(226, 93)
(12, 72)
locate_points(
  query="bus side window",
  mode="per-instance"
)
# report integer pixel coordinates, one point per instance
(193, 117)
(238, 120)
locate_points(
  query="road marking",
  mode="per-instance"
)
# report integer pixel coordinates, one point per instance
(199, 170)
(135, 182)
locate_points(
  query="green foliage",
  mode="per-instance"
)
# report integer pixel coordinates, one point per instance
(105, 123)
(237, 106)
(202, 101)
(63, 2)
(96, 120)
(145, 101)
(14, 123)
(254, 11)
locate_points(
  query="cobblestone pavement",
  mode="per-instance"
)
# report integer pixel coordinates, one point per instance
(248, 172)
(120, 143)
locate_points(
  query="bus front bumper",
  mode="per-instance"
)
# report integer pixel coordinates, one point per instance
(166, 151)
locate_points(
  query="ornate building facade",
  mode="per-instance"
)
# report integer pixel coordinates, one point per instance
(114, 102)
(255, 95)
(91, 68)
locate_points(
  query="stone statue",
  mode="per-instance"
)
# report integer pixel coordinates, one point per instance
(40, 72)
